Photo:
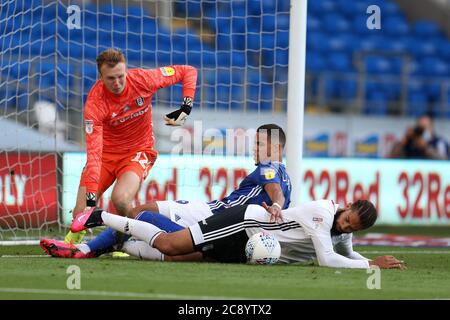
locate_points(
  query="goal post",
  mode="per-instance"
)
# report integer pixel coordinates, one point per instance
(47, 67)
(296, 95)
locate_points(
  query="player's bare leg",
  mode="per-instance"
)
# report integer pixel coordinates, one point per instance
(174, 244)
(125, 191)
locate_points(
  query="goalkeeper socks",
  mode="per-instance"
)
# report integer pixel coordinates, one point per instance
(138, 229)
(159, 220)
(142, 250)
(83, 248)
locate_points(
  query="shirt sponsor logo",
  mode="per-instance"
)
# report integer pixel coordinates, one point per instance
(140, 101)
(269, 174)
(131, 116)
(167, 71)
(89, 125)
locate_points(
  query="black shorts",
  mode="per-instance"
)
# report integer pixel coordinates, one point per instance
(224, 236)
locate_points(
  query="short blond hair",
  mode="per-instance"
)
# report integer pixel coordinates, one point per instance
(111, 57)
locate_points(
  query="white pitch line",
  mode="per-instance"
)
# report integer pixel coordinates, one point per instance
(117, 294)
(407, 252)
(362, 252)
(24, 256)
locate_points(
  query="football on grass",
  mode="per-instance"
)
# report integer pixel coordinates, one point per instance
(262, 248)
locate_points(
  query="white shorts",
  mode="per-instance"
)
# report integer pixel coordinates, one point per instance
(185, 213)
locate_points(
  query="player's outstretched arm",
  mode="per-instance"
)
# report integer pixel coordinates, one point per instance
(387, 262)
(345, 248)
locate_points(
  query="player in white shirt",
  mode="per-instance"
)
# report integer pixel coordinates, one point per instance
(314, 229)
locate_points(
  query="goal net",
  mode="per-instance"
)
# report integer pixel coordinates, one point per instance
(47, 66)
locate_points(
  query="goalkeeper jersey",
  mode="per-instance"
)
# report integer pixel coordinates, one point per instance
(123, 123)
(251, 189)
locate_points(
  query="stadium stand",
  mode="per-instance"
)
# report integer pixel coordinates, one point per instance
(403, 70)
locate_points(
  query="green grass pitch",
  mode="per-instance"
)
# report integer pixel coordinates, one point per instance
(23, 275)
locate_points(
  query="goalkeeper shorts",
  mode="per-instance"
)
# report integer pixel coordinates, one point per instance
(116, 164)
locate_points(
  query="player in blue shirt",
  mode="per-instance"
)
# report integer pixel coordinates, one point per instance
(268, 185)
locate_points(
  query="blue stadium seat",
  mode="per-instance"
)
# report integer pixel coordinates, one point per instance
(392, 90)
(340, 43)
(369, 43)
(47, 73)
(223, 59)
(339, 61)
(315, 62)
(268, 23)
(208, 58)
(317, 41)
(377, 65)
(390, 8)
(238, 59)
(281, 57)
(359, 25)
(433, 90)
(376, 104)
(426, 29)
(254, 23)
(395, 45)
(49, 28)
(268, 57)
(444, 48)
(253, 41)
(190, 8)
(396, 26)
(347, 88)
(282, 39)
(351, 9)
(335, 23)
(319, 7)
(432, 66)
(237, 96)
(281, 74)
(223, 42)
(109, 9)
(423, 47)
(313, 24)
(417, 104)
(282, 21)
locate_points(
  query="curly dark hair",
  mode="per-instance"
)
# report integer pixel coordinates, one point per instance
(366, 211)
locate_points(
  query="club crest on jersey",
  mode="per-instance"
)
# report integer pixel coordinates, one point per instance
(167, 71)
(89, 126)
(140, 101)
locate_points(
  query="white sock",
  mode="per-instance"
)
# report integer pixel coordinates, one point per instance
(142, 250)
(139, 229)
(83, 247)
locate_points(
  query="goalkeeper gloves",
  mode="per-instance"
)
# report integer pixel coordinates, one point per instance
(178, 117)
